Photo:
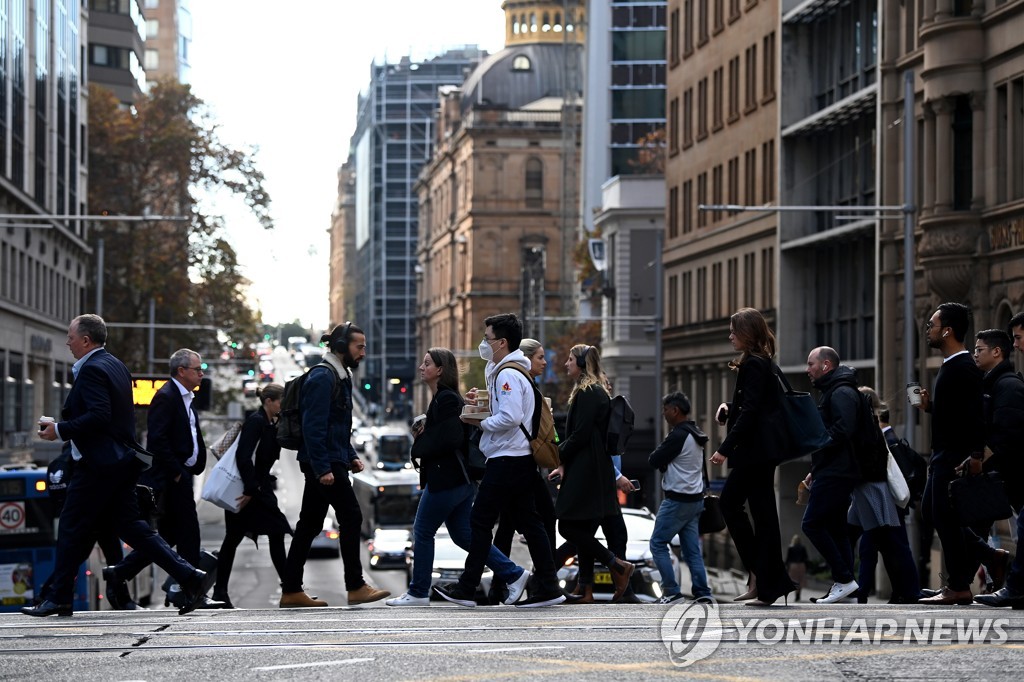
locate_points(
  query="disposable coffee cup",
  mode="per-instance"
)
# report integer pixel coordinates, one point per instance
(43, 421)
(547, 400)
(914, 393)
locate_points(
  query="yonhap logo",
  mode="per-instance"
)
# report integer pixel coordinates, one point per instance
(691, 632)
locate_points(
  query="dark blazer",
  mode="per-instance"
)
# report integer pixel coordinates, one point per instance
(958, 411)
(587, 491)
(169, 437)
(99, 413)
(438, 449)
(754, 423)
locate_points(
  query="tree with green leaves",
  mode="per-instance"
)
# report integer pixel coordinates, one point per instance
(157, 158)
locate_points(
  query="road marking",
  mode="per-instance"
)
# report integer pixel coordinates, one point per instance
(531, 648)
(314, 665)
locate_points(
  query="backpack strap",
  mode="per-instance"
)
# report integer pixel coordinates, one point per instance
(519, 368)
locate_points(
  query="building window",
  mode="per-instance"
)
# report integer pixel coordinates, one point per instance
(750, 101)
(673, 38)
(734, 10)
(768, 171)
(152, 28)
(843, 52)
(702, 198)
(673, 212)
(687, 28)
(718, 20)
(963, 163)
(1010, 141)
(749, 283)
(702, 294)
(702, 22)
(716, 290)
(716, 191)
(687, 296)
(733, 193)
(768, 278)
(732, 285)
(520, 63)
(688, 118)
(687, 206)
(734, 89)
(750, 177)
(673, 126)
(151, 59)
(909, 26)
(702, 109)
(768, 87)
(673, 301)
(534, 183)
(716, 99)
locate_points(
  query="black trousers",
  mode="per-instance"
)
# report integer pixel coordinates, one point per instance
(545, 506)
(100, 498)
(226, 557)
(759, 544)
(963, 550)
(316, 498)
(509, 490)
(177, 523)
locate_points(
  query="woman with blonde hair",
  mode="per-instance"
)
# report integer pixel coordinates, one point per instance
(587, 493)
(753, 447)
(259, 513)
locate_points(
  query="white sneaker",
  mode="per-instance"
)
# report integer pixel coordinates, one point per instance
(408, 600)
(840, 591)
(516, 588)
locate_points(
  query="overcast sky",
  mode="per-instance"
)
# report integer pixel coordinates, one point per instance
(285, 77)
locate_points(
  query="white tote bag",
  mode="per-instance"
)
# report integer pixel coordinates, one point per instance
(897, 483)
(223, 484)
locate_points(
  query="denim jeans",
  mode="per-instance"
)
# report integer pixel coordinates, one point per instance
(682, 518)
(451, 507)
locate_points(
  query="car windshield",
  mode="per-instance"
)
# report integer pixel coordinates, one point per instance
(394, 448)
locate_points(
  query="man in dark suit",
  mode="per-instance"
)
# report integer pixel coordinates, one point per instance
(99, 419)
(174, 436)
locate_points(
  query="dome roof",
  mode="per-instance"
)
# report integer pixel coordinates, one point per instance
(516, 76)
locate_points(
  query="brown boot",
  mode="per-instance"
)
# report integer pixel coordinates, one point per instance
(365, 595)
(296, 600)
(621, 572)
(585, 594)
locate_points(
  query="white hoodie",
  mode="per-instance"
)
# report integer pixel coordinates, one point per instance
(512, 404)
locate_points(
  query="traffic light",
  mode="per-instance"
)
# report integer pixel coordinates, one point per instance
(366, 386)
(402, 389)
(204, 366)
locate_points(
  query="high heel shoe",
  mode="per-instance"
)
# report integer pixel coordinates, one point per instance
(769, 598)
(751, 592)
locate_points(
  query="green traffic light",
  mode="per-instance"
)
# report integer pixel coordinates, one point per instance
(366, 386)
(203, 366)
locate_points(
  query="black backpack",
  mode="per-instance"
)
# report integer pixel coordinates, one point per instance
(913, 466)
(289, 421)
(620, 426)
(869, 447)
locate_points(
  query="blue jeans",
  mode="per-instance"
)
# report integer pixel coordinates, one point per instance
(682, 518)
(451, 507)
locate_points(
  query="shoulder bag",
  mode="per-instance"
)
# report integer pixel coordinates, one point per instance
(711, 519)
(224, 484)
(801, 420)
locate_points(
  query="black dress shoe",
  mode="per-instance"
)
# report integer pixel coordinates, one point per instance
(1001, 597)
(47, 608)
(118, 596)
(192, 593)
(223, 598)
(207, 603)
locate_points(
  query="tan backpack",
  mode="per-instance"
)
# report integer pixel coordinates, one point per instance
(544, 441)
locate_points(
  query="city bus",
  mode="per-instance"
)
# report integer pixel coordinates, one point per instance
(28, 540)
(388, 499)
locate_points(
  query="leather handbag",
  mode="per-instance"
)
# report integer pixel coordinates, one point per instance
(711, 519)
(801, 421)
(979, 500)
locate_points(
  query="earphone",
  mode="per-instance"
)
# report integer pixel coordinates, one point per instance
(581, 359)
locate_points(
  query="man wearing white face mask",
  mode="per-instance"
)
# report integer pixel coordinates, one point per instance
(507, 488)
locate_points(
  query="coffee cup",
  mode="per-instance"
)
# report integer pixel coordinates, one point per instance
(44, 420)
(914, 393)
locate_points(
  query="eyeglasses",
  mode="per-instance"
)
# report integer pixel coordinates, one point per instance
(931, 325)
(196, 369)
(487, 340)
(979, 349)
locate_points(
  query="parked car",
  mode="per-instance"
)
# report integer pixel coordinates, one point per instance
(391, 549)
(449, 561)
(646, 580)
(326, 545)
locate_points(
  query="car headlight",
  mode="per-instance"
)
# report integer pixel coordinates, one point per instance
(435, 575)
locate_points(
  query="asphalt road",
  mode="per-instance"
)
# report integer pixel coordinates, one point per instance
(442, 642)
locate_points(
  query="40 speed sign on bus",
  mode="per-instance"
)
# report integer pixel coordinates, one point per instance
(12, 517)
